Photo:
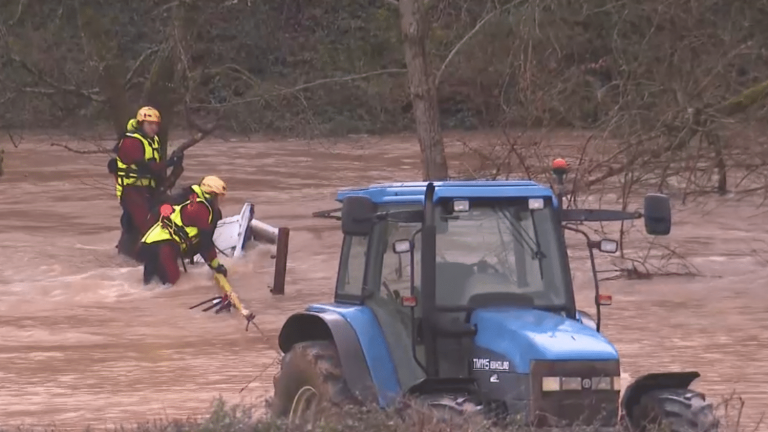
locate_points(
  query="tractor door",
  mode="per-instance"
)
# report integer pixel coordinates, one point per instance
(388, 279)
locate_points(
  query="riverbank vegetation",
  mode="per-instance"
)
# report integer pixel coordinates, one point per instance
(225, 417)
(679, 84)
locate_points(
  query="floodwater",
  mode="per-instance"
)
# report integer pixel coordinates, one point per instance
(83, 342)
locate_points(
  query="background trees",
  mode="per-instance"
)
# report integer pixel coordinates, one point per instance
(655, 77)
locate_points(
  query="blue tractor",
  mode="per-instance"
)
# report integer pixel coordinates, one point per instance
(459, 294)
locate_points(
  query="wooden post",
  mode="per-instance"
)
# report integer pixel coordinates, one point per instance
(281, 261)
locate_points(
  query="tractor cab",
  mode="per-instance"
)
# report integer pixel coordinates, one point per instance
(495, 244)
(460, 293)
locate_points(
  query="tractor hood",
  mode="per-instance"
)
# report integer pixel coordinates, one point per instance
(523, 335)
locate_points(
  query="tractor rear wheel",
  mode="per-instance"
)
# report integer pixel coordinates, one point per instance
(675, 410)
(310, 377)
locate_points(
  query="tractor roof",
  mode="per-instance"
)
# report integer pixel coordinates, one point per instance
(413, 192)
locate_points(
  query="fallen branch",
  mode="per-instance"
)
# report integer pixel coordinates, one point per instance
(99, 150)
(201, 133)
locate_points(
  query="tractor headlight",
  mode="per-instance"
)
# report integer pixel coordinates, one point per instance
(535, 203)
(571, 383)
(549, 384)
(602, 383)
(460, 206)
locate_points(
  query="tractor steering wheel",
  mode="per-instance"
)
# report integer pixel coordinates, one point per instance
(483, 266)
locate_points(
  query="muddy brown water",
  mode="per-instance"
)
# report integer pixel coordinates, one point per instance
(83, 342)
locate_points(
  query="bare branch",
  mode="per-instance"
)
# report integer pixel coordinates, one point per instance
(138, 64)
(18, 13)
(467, 37)
(305, 86)
(201, 133)
(39, 90)
(98, 150)
(15, 143)
(6, 98)
(88, 94)
(168, 6)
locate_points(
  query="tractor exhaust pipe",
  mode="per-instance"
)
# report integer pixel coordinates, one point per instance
(429, 281)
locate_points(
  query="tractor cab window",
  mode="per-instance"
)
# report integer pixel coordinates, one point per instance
(351, 268)
(396, 268)
(500, 252)
(389, 275)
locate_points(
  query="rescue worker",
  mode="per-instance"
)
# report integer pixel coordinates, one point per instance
(179, 198)
(182, 228)
(138, 170)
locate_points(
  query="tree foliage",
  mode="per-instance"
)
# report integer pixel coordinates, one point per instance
(632, 69)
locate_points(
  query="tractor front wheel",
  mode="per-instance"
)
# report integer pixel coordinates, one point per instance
(674, 410)
(310, 377)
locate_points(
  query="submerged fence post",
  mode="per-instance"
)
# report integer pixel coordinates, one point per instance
(281, 261)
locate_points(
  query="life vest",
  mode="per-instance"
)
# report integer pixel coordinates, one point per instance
(171, 227)
(132, 175)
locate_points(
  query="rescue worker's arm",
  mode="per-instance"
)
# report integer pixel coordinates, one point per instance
(197, 215)
(131, 152)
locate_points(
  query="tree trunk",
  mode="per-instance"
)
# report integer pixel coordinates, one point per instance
(167, 81)
(159, 93)
(102, 47)
(421, 81)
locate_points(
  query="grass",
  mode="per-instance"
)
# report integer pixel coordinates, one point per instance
(225, 417)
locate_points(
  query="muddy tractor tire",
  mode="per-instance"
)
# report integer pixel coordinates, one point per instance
(674, 410)
(310, 377)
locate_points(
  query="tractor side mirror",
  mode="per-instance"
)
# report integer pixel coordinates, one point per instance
(357, 215)
(657, 213)
(401, 246)
(604, 245)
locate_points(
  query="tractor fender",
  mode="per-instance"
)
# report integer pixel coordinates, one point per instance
(651, 382)
(329, 326)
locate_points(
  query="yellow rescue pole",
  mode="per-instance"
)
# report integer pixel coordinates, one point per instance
(230, 295)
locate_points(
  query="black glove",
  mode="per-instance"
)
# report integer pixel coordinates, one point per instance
(220, 269)
(176, 160)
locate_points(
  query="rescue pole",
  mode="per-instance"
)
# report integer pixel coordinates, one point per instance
(231, 297)
(228, 299)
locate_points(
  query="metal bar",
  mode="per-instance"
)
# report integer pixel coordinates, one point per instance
(428, 282)
(263, 232)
